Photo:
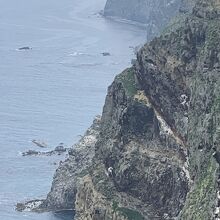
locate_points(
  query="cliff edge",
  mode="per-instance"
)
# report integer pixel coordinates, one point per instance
(155, 14)
(159, 129)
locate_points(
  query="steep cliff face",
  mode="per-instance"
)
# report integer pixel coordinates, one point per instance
(160, 123)
(149, 157)
(155, 14)
(69, 173)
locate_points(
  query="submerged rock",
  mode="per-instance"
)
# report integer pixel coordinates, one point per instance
(39, 143)
(24, 48)
(31, 153)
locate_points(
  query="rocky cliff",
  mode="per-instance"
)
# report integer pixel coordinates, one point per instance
(159, 128)
(67, 177)
(155, 14)
(155, 152)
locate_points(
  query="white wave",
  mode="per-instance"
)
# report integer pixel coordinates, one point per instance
(75, 54)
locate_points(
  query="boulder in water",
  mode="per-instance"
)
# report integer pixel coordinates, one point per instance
(60, 148)
(105, 54)
(24, 48)
(39, 143)
(30, 153)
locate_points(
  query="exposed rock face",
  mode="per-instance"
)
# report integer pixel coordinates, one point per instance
(148, 157)
(65, 182)
(159, 124)
(152, 156)
(156, 14)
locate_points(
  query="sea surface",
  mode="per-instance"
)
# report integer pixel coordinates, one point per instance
(53, 91)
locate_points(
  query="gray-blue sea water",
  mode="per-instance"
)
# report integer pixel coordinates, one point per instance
(53, 91)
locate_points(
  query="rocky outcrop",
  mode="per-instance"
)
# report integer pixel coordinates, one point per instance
(60, 149)
(67, 177)
(148, 157)
(155, 14)
(159, 125)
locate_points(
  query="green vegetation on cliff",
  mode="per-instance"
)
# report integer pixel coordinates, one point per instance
(127, 78)
(213, 35)
(204, 190)
(130, 214)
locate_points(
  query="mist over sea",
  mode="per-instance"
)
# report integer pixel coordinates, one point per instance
(53, 91)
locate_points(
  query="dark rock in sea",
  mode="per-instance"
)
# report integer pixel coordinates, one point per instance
(39, 143)
(60, 149)
(24, 48)
(31, 153)
(20, 207)
(106, 54)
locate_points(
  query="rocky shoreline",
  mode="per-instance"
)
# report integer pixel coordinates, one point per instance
(60, 149)
(68, 175)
